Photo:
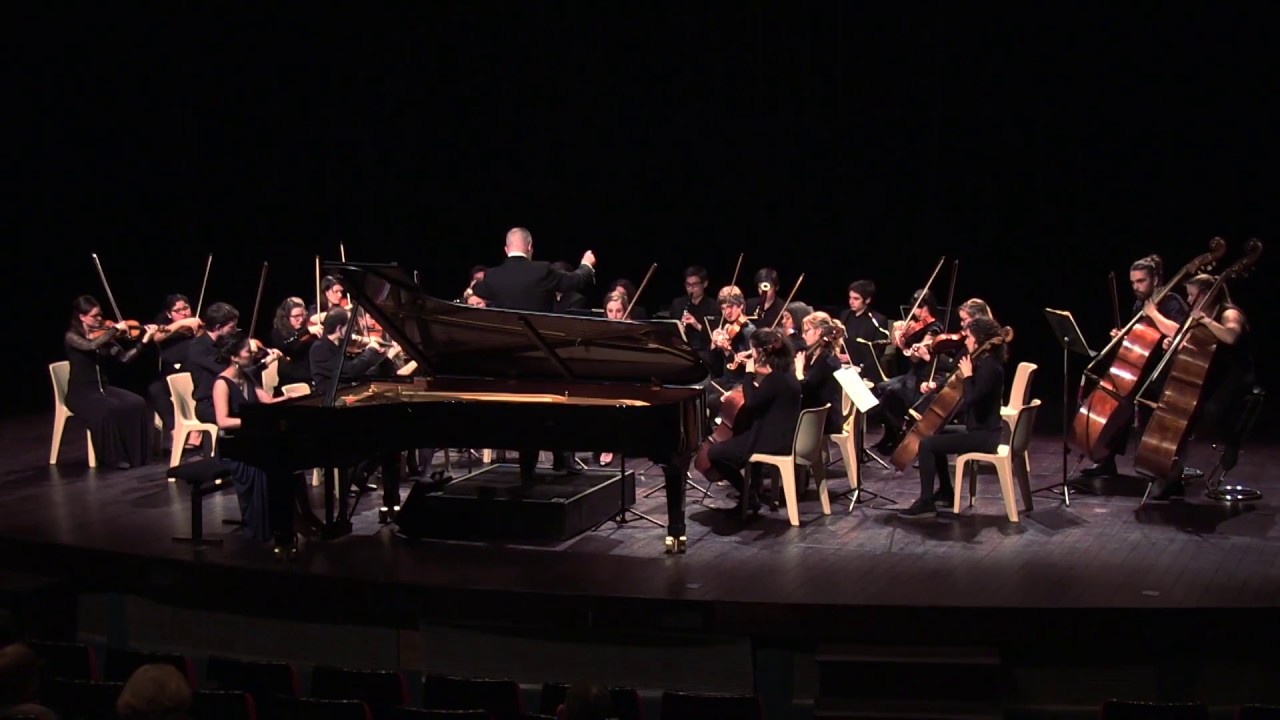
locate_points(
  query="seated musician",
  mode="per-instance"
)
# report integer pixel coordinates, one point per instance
(698, 314)
(120, 423)
(291, 335)
(628, 289)
(766, 422)
(901, 392)
(234, 388)
(571, 300)
(816, 367)
(731, 346)
(202, 356)
(1231, 375)
(867, 332)
(615, 306)
(1145, 277)
(175, 329)
(791, 322)
(968, 310)
(332, 294)
(765, 308)
(979, 406)
(327, 352)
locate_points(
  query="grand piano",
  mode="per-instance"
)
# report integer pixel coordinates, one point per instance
(494, 379)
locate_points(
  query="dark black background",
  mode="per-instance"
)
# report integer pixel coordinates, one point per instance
(1043, 147)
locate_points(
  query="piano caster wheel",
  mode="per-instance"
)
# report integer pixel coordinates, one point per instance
(285, 553)
(676, 546)
(386, 516)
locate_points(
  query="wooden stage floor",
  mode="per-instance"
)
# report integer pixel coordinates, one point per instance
(1103, 551)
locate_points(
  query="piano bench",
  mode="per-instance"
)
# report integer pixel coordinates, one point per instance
(205, 478)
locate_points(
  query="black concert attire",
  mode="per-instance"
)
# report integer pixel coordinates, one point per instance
(765, 316)
(325, 356)
(707, 312)
(172, 353)
(1174, 308)
(202, 362)
(524, 284)
(639, 313)
(860, 330)
(820, 387)
(1230, 380)
(766, 423)
(295, 355)
(980, 408)
(120, 422)
(571, 302)
(249, 482)
(727, 378)
(899, 394)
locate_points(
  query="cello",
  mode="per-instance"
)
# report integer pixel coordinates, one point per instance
(1189, 358)
(1108, 408)
(944, 405)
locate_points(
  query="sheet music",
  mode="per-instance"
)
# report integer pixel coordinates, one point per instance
(856, 389)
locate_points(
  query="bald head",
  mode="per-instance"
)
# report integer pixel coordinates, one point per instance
(19, 669)
(520, 240)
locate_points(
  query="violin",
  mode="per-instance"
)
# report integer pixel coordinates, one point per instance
(941, 344)
(127, 329)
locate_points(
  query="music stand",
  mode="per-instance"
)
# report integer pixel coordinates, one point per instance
(1072, 341)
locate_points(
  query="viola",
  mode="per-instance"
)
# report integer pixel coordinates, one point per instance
(1190, 356)
(1107, 409)
(944, 405)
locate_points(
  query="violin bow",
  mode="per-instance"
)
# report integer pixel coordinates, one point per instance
(927, 285)
(639, 290)
(107, 286)
(257, 302)
(208, 263)
(318, 309)
(790, 297)
(736, 269)
(946, 321)
(1115, 298)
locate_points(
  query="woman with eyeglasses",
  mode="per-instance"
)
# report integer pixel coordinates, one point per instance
(120, 422)
(291, 335)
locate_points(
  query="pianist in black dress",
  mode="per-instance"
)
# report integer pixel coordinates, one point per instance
(234, 388)
(766, 422)
(522, 283)
(120, 422)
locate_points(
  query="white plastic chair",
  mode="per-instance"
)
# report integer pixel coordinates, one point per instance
(806, 449)
(1019, 394)
(60, 374)
(184, 418)
(271, 378)
(1010, 460)
(848, 450)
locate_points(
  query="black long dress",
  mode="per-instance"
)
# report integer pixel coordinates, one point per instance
(121, 423)
(250, 482)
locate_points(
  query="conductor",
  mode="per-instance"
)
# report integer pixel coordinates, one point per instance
(521, 283)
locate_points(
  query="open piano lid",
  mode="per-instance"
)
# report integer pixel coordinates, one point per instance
(453, 340)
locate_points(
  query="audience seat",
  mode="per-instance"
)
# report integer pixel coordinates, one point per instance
(81, 699)
(626, 701)
(699, 706)
(380, 690)
(500, 698)
(223, 705)
(69, 661)
(1132, 710)
(122, 663)
(319, 709)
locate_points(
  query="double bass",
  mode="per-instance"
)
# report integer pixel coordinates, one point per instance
(943, 407)
(1108, 407)
(1189, 358)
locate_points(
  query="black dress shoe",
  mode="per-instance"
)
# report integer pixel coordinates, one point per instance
(1106, 468)
(919, 508)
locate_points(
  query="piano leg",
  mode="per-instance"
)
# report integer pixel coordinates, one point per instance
(281, 498)
(673, 476)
